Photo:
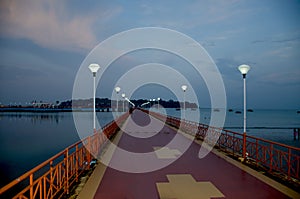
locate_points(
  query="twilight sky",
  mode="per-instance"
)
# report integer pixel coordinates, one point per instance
(43, 43)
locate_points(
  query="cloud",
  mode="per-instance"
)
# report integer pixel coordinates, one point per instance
(258, 41)
(282, 78)
(218, 11)
(283, 52)
(47, 23)
(290, 40)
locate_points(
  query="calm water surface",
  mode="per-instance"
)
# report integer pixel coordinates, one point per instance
(27, 139)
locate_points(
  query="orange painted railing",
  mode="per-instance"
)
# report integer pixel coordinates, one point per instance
(54, 177)
(273, 156)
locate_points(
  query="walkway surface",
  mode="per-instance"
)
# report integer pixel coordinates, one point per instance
(187, 177)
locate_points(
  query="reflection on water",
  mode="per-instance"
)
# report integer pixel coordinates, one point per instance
(34, 118)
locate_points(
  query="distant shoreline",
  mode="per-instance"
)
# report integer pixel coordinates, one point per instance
(52, 110)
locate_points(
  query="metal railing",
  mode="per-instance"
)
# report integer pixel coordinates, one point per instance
(272, 156)
(55, 177)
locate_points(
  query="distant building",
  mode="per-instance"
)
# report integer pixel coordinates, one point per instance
(42, 105)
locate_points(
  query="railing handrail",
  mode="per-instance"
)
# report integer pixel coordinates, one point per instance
(274, 143)
(249, 136)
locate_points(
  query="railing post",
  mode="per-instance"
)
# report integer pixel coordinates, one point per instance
(51, 179)
(76, 161)
(92, 144)
(244, 145)
(297, 169)
(225, 143)
(31, 186)
(97, 144)
(45, 188)
(233, 143)
(220, 138)
(67, 171)
(256, 151)
(271, 157)
(289, 164)
(89, 152)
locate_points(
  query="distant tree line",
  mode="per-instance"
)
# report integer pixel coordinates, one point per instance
(107, 103)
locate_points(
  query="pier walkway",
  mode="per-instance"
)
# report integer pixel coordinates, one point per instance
(188, 177)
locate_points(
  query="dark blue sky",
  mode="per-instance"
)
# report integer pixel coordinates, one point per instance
(42, 45)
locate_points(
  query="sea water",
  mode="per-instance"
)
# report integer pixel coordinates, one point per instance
(28, 139)
(274, 125)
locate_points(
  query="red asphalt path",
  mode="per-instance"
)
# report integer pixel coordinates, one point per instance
(227, 178)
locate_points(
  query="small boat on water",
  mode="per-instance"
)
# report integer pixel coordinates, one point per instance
(250, 110)
(230, 110)
(238, 112)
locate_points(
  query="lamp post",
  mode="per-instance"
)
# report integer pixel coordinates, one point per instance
(158, 102)
(123, 96)
(184, 88)
(244, 69)
(117, 89)
(94, 68)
